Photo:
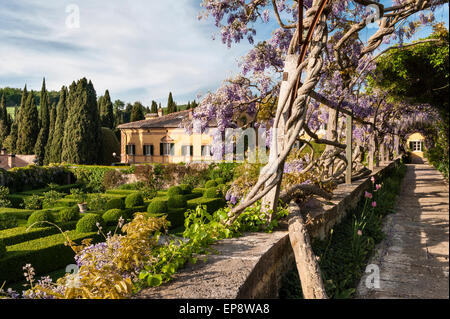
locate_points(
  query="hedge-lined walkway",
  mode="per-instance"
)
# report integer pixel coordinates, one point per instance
(413, 259)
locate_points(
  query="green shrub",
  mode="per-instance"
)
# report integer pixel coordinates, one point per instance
(176, 217)
(220, 180)
(18, 213)
(212, 192)
(212, 204)
(2, 249)
(186, 188)
(19, 235)
(157, 207)
(69, 214)
(134, 200)
(96, 202)
(174, 190)
(115, 203)
(33, 202)
(51, 198)
(88, 223)
(7, 221)
(40, 216)
(4, 194)
(41, 253)
(210, 184)
(112, 216)
(177, 201)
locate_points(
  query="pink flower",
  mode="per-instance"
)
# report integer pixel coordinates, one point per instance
(373, 179)
(359, 233)
(378, 186)
(374, 204)
(368, 195)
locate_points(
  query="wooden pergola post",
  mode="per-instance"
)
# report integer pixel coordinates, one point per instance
(348, 150)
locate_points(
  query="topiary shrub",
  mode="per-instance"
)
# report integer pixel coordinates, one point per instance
(174, 190)
(69, 214)
(40, 216)
(115, 203)
(177, 201)
(112, 216)
(7, 221)
(220, 180)
(210, 184)
(157, 207)
(186, 189)
(211, 192)
(2, 248)
(134, 200)
(88, 223)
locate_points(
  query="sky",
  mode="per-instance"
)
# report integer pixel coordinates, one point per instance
(139, 50)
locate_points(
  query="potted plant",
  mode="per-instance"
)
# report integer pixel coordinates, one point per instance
(81, 198)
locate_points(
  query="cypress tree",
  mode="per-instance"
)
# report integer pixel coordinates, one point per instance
(5, 125)
(82, 136)
(28, 127)
(171, 106)
(55, 148)
(154, 108)
(106, 111)
(51, 132)
(41, 143)
(137, 112)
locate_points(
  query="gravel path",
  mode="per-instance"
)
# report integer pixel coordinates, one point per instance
(413, 259)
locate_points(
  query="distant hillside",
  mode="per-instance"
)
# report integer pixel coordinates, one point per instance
(13, 96)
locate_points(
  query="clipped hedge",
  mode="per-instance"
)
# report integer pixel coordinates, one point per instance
(115, 203)
(186, 189)
(176, 217)
(174, 190)
(88, 223)
(2, 249)
(134, 200)
(157, 207)
(177, 201)
(212, 204)
(19, 235)
(210, 184)
(112, 216)
(220, 180)
(69, 214)
(45, 254)
(212, 192)
(60, 189)
(40, 216)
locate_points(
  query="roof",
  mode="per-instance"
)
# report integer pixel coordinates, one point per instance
(172, 120)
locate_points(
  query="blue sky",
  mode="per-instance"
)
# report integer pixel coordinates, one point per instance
(139, 50)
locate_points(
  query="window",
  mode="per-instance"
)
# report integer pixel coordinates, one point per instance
(187, 150)
(416, 146)
(206, 150)
(167, 149)
(130, 149)
(148, 150)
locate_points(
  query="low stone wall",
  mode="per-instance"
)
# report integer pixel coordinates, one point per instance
(252, 266)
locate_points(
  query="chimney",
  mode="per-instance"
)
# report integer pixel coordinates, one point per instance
(12, 160)
(3, 151)
(160, 112)
(150, 116)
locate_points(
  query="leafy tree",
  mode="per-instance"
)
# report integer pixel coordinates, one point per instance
(106, 111)
(55, 148)
(28, 127)
(137, 112)
(82, 135)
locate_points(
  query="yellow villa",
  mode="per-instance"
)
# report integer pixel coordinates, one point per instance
(415, 143)
(160, 139)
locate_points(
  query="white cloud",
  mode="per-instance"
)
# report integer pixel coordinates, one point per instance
(139, 50)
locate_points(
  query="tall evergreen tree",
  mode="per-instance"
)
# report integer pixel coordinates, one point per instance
(154, 108)
(137, 112)
(57, 136)
(5, 125)
(28, 127)
(41, 143)
(82, 135)
(106, 111)
(171, 106)
(51, 132)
